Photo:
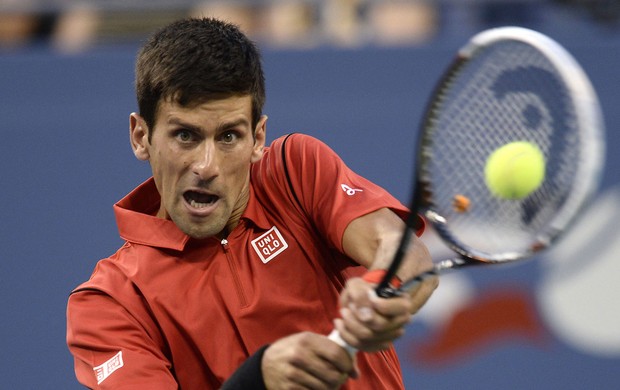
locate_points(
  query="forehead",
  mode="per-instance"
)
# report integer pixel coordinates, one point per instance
(215, 109)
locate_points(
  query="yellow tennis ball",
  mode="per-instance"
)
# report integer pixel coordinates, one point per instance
(515, 170)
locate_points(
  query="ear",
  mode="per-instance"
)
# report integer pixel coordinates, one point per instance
(139, 136)
(260, 134)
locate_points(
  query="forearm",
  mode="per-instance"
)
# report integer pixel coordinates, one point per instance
(372, 240)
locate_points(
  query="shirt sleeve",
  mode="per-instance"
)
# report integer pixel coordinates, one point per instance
(111, 348)
(327, 190)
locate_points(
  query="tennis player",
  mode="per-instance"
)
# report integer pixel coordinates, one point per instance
(238, 256)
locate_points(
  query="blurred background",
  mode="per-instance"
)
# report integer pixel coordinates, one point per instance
(355, 73)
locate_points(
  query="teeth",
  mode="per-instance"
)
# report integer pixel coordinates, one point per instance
(198, 200)
(197, 205)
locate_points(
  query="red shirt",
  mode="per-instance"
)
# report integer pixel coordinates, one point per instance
(167, 310)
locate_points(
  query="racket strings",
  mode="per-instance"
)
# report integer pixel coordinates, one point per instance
(510, 92)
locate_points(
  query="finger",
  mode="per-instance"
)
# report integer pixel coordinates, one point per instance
(351, 329)
(301, 378)
(375, 325)
(356, 291)
(359, 344)
(384, 314)
(339, 359)
(317, 380)
(328, 367)
(360, 336)
(363, 313)
(392, 307)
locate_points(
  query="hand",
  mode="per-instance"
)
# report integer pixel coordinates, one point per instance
(370, 323)
(306, 361)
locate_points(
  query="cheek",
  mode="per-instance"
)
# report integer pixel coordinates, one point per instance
(234, 172)
(170, 161)
(167, 170)
(236, 166)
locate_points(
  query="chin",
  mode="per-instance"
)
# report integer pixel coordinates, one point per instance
(201, 232)
(198, 233)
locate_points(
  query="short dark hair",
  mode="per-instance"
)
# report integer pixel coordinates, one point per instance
(193, 60)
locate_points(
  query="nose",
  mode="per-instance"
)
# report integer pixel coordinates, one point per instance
(205, 164)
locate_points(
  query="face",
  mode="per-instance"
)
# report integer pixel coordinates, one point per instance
(200, 158)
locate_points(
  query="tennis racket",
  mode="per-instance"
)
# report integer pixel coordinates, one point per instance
(505, 85)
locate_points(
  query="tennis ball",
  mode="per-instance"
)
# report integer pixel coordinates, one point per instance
(515, 170)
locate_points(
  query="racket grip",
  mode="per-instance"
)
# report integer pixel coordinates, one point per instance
(336, 338)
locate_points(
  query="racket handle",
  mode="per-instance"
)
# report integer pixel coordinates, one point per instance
(336, 338)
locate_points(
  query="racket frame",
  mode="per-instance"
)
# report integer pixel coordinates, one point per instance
(590, 124)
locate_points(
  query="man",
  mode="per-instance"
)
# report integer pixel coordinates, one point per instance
(234, 249)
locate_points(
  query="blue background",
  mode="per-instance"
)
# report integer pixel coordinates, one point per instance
(65, 159)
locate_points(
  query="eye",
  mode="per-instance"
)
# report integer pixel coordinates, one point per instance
(229, 137)
(184, 135)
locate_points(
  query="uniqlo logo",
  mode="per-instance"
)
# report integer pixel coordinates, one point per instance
(269, 245)
(103, 371)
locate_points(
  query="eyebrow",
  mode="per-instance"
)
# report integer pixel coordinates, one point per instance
(234, 123)
(186, 125)
(220, 127)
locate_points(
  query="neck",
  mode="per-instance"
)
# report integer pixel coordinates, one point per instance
(242, 203)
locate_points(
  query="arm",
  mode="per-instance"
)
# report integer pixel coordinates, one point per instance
(370, 323)
(100, 329)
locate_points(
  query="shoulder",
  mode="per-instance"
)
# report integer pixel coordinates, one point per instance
(301, 152)
(115, 284)
(294, 143)
(298, 142)
(114, 272)
(294, 157)
(290, 153)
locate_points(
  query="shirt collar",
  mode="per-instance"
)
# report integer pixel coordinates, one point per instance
(137, 221)
(255, 212)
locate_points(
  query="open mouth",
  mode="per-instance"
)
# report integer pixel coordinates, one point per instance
(199, 200)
